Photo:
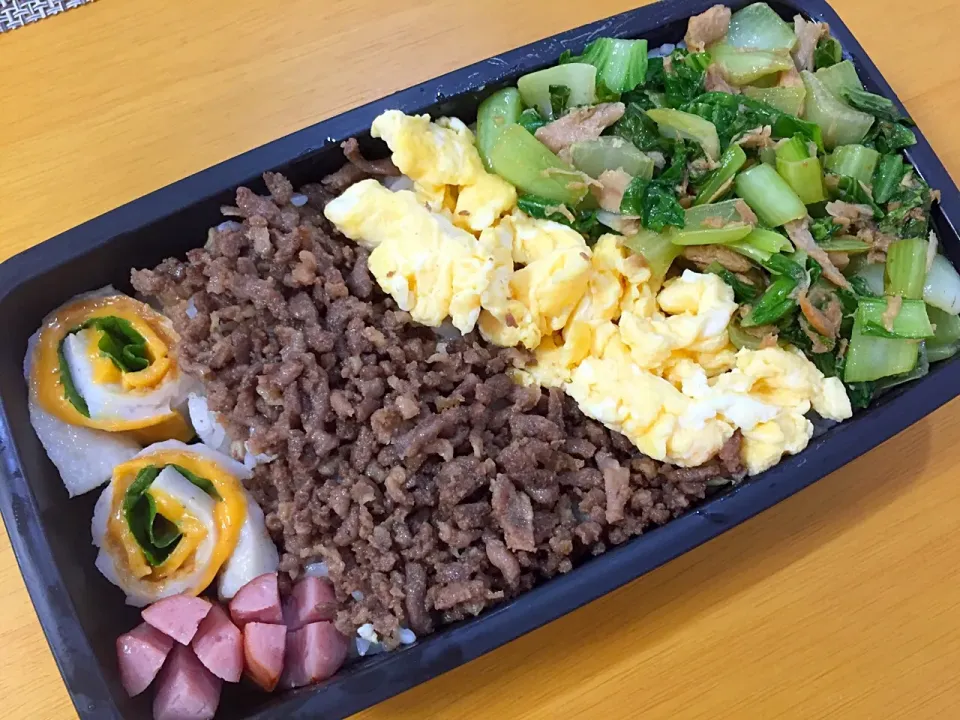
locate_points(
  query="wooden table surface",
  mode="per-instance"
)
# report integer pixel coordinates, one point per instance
(840, 602)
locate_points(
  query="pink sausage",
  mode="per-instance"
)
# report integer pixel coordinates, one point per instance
(178, 616)
(312, 600)
(186, 690)
(140, 655)
(257, 601)
(219, 646)
(263, 649)
(314, 653)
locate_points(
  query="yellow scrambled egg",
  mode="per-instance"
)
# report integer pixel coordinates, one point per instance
(654, 363)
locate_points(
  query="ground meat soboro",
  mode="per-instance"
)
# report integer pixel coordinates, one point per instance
(430, 483)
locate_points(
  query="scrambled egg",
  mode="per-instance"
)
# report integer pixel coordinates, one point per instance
(655, 364)
(432, 268)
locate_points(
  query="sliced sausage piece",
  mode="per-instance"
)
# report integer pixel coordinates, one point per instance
(311, 600)
(257, 601)
(314, 653)
(219, 645)
(178, 616)
(186, 689)
(140, 655)
(264, 646)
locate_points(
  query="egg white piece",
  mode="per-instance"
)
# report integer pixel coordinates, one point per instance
(198, 504)
(84, 457)
(109, 400)
(254, 555)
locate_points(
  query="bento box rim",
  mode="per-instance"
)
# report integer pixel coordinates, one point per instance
(391, 674)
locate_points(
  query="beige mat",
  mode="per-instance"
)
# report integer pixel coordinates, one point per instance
(17, 13)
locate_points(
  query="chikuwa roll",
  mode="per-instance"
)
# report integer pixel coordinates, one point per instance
(176, 516)
(103, 382)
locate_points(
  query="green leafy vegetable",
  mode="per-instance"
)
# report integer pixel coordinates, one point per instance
(741, 67)
(559, 99)
(871, 358)
(621, 64)
(856, 161)
(676, 124)
(206, 485)
(743, 292)
(769, 196)
(610, 152)
(941, 289)
(828, 53)
(683, 82)
(758, 27)
(852, 190)
(911, 321)
(580, 78)
(860, 394)
(840, 124)
(880, 107)
(845, 245)
(906, 268)
(908, 211)
(733, 115)
(531, 121)
(839, 78)
(526, 163)
(69, 389)
(584, 222)
(720, 180)
(658, 251)
(156, 536)
(125, 347)
(823, 228)
(655, 202)
(786, 99)
(501, 109)
(886, 178)
(776, 301)
(640, 129)
(889, 137)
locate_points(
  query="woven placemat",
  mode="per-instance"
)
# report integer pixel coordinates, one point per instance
(17, 13)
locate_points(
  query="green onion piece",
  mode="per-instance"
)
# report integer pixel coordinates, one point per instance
(657, 249)
(721, 178)
(910, 322)
(768, 241)
(775, 302)
(580, 78)
(787, 99)
(610, 153)
(872, 358)
(906, 268)
(676, 124)
(839, 123)
(742, 67)
(769, 195)
(845, 245)
(494, 114)
(855, 161)
(758, 27)
(886, 178)
(522, 160)
(805, 178)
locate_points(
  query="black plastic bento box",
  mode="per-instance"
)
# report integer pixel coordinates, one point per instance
(82, 614)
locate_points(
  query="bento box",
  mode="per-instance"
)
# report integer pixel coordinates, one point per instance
(82, 615)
